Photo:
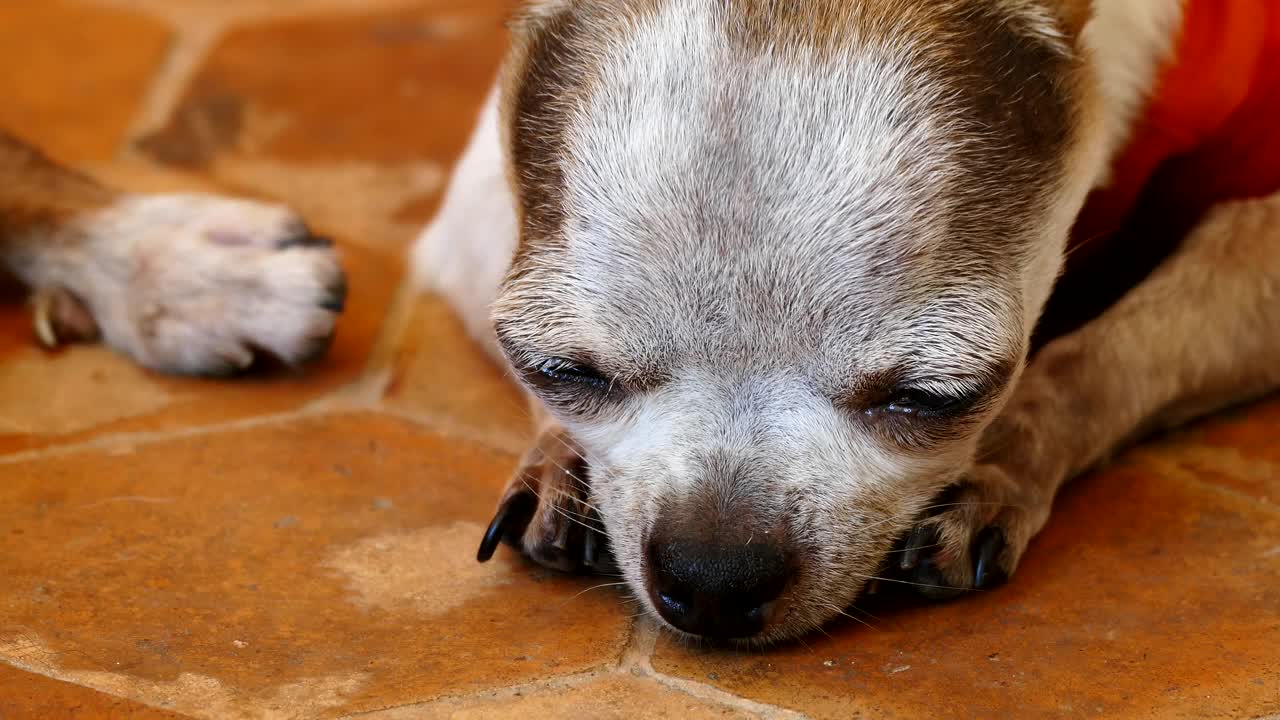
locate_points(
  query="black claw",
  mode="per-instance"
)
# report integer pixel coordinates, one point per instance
(920, 537)
(987, 572)
(305, 241)
(509, 523)
(591, 540)
(301, 236)
(335, 299)
(596, 556)
(931, 583)
(590, 549)
(219, 371)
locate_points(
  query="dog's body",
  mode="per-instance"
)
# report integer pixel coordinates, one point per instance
(192, 284)
(772, 271)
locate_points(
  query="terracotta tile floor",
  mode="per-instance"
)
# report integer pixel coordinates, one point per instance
(301, 546)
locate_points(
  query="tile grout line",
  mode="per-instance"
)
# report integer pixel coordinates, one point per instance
(377, 374)
(565, 682)
(368, 390)
(496, 442)
(436, 424)
(641, 643)
(634, 661)
(61, 677)
(142, 437)
(194, 36)
(638, 661)
(192, 43)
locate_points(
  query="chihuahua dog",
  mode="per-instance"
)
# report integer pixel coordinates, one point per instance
(182, 283)
(778, 276)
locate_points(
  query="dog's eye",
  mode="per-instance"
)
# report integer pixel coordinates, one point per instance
(560, 370)
(927, 403)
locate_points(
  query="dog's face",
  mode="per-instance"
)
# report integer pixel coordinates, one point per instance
(778, 269)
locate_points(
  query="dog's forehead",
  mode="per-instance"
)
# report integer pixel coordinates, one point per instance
(733, 182)
(736, 193)
(687, 131)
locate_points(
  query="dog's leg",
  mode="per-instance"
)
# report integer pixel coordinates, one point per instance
(180, 283)
(466, 251)
(1202, 333)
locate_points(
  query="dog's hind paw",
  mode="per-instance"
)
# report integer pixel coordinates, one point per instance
(545, 511)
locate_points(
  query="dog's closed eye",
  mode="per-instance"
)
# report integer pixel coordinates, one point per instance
(929, 403)
(920, 413)
(572, 386)
(562, 371)
(917, 410)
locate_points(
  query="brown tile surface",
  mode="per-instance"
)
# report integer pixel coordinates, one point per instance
(203, 12)
(321, 566)
(1146, 597)
(26, 696)
(435, 370)
(75, 74)
(370, 109)
(1239, 450)
(389, 86)
(612, 697)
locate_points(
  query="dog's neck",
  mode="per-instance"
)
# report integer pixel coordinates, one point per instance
(1129, 41)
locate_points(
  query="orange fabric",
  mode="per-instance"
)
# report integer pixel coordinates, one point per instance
(1211, 131)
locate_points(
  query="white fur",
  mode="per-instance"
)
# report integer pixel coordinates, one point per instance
(466, 250)
(191, 283)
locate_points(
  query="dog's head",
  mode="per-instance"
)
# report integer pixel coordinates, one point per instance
(779, 266)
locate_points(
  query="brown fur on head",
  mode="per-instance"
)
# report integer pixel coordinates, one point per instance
(779, 261)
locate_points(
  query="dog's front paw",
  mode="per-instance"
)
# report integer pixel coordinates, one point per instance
(199, 284)
(545, 511)
(973, 535)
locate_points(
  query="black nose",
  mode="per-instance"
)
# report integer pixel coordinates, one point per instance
(715, 590)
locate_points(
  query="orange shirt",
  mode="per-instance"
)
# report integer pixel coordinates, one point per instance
(1209, 133)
